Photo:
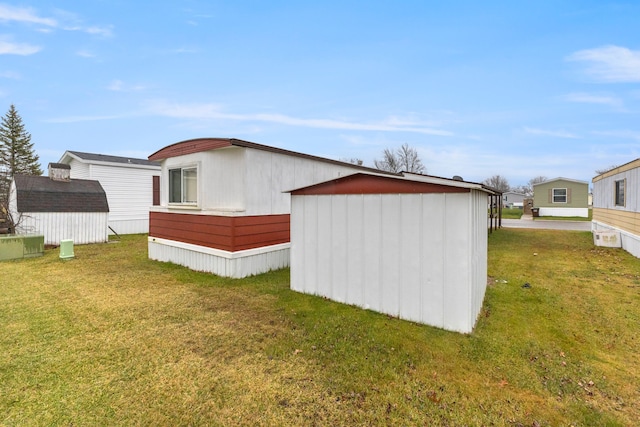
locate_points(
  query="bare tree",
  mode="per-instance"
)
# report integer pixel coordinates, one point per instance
(405, 159)
(497, 182)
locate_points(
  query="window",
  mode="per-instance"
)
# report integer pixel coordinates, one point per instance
(620, 192)
(183, 185)
(559, 195)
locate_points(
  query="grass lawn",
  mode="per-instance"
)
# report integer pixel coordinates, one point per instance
(511, 213)
(111, 338)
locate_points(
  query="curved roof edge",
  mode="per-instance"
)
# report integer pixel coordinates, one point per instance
(198, 145)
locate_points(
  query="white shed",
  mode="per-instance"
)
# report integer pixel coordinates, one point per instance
(59, 207)
(414, 247)
(130, 184)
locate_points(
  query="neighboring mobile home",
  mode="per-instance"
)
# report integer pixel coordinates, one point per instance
(511, 199)
(223, 207)
(413, 247)
(562, 197)
(130, 185)
(616, 204)
(58, 207)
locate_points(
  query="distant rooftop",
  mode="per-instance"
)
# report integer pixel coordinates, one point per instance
(92, 157)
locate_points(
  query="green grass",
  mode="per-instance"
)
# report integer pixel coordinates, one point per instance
(511, 213)
(112, 338)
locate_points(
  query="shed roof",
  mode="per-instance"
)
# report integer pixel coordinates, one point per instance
(106, 158)
(198, 145)
(365, 183)
(42, 194)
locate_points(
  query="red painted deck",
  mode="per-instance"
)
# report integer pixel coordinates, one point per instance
(221, 232)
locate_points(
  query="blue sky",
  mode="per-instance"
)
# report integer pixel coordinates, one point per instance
(519, 89)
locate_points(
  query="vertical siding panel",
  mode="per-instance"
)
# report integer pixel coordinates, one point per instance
(298, 254)
(338, 251)
(372, 251)
(391, 273)
(357, 263)
(324, 246)
(457, 256)
(410, 231)
(433, 260)
(310, 224)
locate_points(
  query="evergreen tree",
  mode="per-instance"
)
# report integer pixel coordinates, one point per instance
(16, 151)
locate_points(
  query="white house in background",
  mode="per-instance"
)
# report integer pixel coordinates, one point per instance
(223, 206)
(413, 247)
(59, 207)
(616, 204)
(511, 199)
(130, 185)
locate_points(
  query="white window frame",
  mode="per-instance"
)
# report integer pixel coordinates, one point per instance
(183, 182)
(554, 196)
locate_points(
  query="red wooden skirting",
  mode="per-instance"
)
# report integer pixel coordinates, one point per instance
(221, 232)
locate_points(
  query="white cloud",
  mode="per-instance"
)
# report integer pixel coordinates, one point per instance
(26, 15)
(24, 49)
(611, 64)
(594, 99)
(214, 112)
(553, 133)
(29, 16)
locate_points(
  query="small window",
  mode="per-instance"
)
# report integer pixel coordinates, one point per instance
(620, 192)
(183, 185)
(559, 195)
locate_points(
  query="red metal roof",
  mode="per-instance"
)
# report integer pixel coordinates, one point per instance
(361, 183)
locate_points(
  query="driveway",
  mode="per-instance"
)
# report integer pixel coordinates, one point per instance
(527, 222)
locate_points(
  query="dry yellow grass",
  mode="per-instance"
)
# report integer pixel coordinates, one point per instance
(111, 338)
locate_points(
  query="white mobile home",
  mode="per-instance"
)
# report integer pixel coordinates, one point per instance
(130, 185)
(223, 207)
(412, 247)
(616, 204)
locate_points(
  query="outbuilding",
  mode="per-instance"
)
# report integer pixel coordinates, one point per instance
(132, 185)
(59, 207)
(414, 247)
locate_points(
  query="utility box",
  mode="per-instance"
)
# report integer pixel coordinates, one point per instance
(16, 247)
(608, 239)
(66, 249)
(33, 246)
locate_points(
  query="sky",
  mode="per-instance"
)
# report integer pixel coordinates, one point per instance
(519, 89)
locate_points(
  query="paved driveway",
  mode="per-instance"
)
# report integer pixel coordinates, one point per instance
(528, 222)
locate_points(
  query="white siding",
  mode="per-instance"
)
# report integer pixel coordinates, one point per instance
(268, 175)
(604, 191)
(421, 257)
(129, 193)
(81, 227)
(236, 265)
(79, 170)
(565, 212)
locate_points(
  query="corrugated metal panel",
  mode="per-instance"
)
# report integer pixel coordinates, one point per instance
(81, 227)
(421, 257)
